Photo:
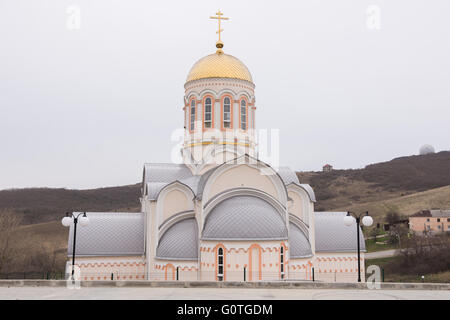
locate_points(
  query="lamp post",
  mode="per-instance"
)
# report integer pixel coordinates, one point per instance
(66, 221)
(367, 221)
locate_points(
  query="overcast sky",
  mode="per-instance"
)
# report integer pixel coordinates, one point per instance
(85, 108)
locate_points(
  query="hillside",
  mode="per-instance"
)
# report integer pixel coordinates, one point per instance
(406, 205)
(399, 183)
(44, 204)
(406, 185)
(397, 178)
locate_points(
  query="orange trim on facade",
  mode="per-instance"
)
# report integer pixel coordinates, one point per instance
(110, 264)
(166, 267)
(250, 261)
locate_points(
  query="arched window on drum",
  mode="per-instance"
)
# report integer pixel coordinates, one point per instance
(192, 113)
(226, 113)
(244, 115)
(208, 113)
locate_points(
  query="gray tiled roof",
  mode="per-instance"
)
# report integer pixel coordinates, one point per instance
(165, 172)
(153, 189)
(332, 235)
(310, 191)
(202, 182)
(192, 182)
(287, 175)
(179, 242)
(243, 218)
(440, 213)
(158, 175)
(298, 243)
(109, 234)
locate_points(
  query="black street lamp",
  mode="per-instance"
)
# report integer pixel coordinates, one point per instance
(366, 221)
(66, 221)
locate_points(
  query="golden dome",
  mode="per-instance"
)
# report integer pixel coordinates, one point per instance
(219, 65)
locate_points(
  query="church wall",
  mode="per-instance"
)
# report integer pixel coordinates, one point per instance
(242, 176)
(261, 260)
(297, 205)
(174, 201)
(300, 269)
(166, 270)
(338, 267)
(151, 234)
(101, 268)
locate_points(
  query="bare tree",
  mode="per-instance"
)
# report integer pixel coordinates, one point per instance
(9, 221)
(44, 258)
(397, 233)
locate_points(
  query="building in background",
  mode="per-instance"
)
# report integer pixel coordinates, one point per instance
(430, 221)
(327, 168)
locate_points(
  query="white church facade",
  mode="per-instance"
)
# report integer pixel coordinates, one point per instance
(222, 214)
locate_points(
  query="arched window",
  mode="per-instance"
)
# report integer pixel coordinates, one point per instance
(220, 264)
(243, 114)
(282, 262)
(192, 113)
(208, 113)
(227, 113)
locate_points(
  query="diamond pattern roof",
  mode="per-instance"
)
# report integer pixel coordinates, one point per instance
(158, 175)
(333, 235)
(179, 242)
(298, 243)
(242, 218)
(109, 234)
(287, 175)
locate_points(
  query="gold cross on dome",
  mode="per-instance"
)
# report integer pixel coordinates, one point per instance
(219, 17)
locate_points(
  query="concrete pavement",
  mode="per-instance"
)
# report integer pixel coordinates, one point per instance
(381, 254)
(144, 293)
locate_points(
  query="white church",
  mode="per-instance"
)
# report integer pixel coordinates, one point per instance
(221, 215)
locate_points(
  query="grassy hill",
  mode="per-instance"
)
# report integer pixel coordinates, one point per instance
(401, 183)
(45, 204)
(404, 179)
(406, 205)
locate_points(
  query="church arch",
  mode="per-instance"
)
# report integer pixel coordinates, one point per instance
(227, 91)
(173, 198)
(230, 193)
(300, 206)
(245, 172)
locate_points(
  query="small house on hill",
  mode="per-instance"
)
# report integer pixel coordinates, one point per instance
(430, 221)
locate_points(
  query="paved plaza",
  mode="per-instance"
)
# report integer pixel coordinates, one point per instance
(88, 293)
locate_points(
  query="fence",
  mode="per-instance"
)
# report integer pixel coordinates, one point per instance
(175, 274)
(34, 275)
